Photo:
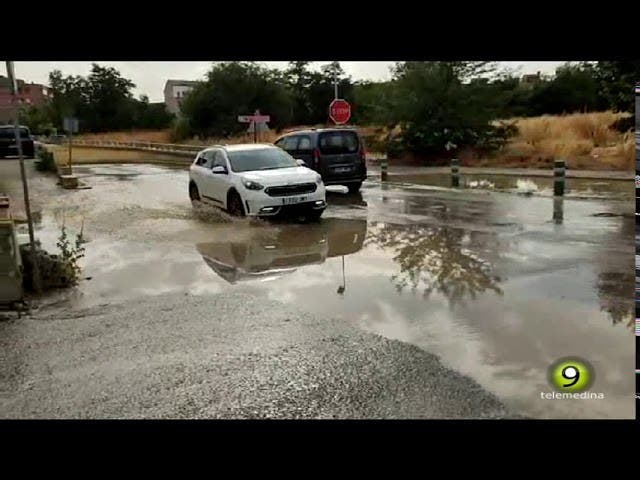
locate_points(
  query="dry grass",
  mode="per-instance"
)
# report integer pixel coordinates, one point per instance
(583, 140)
(154, 136)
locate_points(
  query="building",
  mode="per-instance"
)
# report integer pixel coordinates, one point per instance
(174, 93)
(35, 93)
(29, 94)
(531, 79)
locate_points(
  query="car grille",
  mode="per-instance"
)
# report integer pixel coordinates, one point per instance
(288, 190)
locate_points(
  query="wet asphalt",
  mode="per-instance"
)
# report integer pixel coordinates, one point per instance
(409, 300)
(223, 356)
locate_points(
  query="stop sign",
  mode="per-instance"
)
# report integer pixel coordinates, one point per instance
(340, 111)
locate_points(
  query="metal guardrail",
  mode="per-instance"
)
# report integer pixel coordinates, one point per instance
(171, 148)
(187, 150)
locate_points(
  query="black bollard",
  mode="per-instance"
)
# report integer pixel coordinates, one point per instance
(383, 169)
(558, 178)
(455, 173)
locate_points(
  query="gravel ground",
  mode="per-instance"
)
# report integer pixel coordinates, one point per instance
(222, 356)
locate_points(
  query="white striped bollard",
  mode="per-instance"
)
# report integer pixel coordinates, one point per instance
(558, 178)
(455, 173)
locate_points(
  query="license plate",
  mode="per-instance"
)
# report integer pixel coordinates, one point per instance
(342, 169)
(292, 200)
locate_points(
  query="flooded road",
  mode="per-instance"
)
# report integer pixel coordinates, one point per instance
(496, 279)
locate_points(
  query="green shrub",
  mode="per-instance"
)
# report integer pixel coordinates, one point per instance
(180, 130)
(624, 124)
(46, 161)
(57, 270)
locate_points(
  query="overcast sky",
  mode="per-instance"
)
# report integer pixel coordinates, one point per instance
(150, 77)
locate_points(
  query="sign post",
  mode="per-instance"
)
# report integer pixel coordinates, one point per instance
(71, 126)
(25, 186)
(255, 120)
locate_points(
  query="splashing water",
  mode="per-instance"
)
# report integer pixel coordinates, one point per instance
(480, 184)
(525, 186)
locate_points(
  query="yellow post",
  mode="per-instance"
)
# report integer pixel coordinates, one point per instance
(70, 141)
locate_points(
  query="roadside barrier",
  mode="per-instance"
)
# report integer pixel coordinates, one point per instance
(170, 148)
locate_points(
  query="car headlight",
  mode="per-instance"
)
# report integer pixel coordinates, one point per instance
(319, 180)
(251, 185)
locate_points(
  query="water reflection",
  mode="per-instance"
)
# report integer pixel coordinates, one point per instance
(558, 210)
(270, 253)
(614, 294)
(346, 199)
(615, 280)
(440, 259)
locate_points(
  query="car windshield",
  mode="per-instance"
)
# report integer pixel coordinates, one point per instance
(261, 159)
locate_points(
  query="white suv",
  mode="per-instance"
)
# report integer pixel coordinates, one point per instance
(257, 180)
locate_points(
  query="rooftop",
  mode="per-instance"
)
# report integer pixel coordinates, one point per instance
(322, 129)
(184, 83)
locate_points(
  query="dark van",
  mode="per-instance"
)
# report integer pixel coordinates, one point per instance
(337, 154)
(8, 142)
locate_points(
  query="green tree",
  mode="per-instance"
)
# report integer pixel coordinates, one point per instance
(371, 102)
(321, 91)
(151, 115)
(574, 88)
(232, 89)
(38, 119)
(110, 103)
(102, 101)
(616, 81)
(439, 104)
(69, 97)
(299, 78)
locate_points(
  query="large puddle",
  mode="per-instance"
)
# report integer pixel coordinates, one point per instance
(499, 285)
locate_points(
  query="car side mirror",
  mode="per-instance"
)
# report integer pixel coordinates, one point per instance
(301, 163)
(219, 169)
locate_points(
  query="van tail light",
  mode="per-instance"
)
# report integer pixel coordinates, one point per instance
(316, 157)
(363, 155)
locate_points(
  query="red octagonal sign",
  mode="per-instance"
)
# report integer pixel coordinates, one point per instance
(340, 111)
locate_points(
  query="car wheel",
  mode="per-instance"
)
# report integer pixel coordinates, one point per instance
(354, 187)
(193, 192)
(234, 205)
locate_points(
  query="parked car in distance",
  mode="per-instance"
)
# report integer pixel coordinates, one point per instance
(57, 139)
(256, 180)
(337, 154)
(8, 146)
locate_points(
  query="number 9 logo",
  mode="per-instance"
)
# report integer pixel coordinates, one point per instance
(571, 374)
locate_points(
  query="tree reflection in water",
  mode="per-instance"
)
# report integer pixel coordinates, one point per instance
(614, 292)
(439, 259)
(616, 279)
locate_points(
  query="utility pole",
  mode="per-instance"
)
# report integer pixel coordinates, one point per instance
(25, 186)
(255, 127)
(335, 85)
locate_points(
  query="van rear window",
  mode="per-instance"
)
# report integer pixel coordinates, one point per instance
(333, 143)
(9, 133)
